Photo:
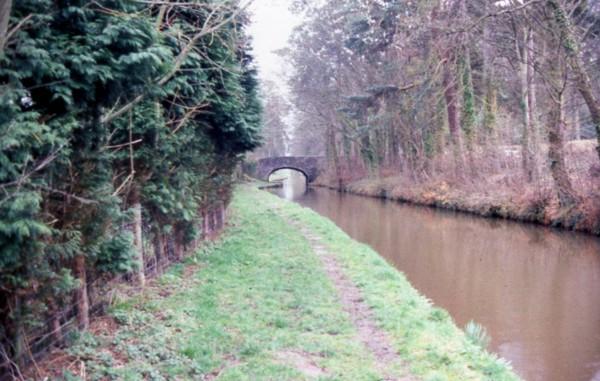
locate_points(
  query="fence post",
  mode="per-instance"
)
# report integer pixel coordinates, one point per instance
(140, 276)
(207, 230)
(82, 299)
(159, 250)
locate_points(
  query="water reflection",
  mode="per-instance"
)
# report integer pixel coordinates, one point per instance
(534, 289)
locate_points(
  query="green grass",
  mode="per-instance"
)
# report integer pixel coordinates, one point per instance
(259, 295)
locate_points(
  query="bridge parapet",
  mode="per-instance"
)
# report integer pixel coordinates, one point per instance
(310, 166)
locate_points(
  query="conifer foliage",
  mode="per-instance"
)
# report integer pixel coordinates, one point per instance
(118, 118)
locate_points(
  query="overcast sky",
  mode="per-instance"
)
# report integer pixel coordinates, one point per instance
(272, 25)
(271, 28)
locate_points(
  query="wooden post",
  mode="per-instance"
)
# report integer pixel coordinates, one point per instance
(159, 250)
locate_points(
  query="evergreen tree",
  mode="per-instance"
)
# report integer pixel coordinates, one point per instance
(112, 115)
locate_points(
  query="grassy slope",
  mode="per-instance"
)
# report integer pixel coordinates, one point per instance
(259, 295)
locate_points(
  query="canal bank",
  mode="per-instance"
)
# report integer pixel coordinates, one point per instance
(284, 295)
(535, 205)
(532, 287)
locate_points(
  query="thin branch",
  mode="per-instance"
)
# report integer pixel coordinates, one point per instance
(187, 117)
(49, 159)
(477, 22)
(18, 26)
(123, 185)
(82, 200)
(119, 146)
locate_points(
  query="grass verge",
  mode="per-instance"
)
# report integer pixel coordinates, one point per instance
(258, 306)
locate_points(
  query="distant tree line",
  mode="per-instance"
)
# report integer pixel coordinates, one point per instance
(469, 91)
(275, 127)
(118, 118)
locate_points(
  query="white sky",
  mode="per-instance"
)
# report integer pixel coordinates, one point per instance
(271, 28)
(272, 25)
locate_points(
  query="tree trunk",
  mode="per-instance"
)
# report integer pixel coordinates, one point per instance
(468, 109)
(450, 95)
(558, 169)
(532, 107)
(576, 125)
(491, 94)
(523, 51)
(55, 325)
(490, 108)
(5, 9)
(82, 299)
(178, 244)
(573, 50)
(17, 341)
(333, 152)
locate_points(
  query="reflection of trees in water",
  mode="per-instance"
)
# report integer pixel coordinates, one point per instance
(558, 241)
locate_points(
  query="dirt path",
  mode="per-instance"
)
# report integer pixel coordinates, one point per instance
(372, 337)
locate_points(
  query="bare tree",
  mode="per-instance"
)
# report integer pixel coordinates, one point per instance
(572, 47)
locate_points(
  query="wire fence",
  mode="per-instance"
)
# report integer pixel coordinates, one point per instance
(60, 321)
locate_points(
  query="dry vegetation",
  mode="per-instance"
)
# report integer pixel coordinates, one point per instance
(493, 190)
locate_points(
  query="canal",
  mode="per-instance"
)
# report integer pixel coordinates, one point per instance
(536, 290)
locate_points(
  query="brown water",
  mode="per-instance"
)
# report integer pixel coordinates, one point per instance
(536, 290)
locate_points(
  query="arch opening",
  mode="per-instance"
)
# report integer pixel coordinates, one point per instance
(294, 182)
(284, 172)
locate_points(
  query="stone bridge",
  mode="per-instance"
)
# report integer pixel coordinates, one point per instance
(310, 166)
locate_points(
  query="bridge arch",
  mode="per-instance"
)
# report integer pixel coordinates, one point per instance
(290, 168)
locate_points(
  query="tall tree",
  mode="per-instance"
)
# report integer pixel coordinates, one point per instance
(572, 47)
